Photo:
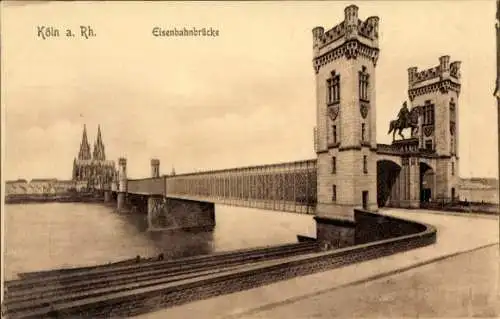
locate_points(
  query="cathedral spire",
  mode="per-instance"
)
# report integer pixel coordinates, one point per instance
(99, 137)
(84, 153)
(99, 153)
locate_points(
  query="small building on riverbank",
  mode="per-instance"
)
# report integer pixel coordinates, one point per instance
(40, 186)
(479, 190)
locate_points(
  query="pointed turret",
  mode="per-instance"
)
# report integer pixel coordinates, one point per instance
(99, 153)
(84, 153)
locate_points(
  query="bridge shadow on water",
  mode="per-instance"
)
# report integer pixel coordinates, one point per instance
(235, 228)
(173, 243)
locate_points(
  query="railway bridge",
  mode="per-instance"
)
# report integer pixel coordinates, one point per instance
(351, 170)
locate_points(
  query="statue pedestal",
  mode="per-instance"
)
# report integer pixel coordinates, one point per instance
(407, 145)
(406, 141)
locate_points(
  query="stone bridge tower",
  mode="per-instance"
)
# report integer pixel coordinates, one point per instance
(344, 61)
(122, 183)
(155, 168)
(436, 91)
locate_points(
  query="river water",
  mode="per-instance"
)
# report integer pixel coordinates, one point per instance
(54, 235)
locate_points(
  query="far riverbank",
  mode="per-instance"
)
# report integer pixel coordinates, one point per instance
(49, 198)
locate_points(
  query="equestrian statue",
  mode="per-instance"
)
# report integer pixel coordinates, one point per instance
(406, 119)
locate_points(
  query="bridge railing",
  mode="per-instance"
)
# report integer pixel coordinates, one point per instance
(147, 186)
(285, 186)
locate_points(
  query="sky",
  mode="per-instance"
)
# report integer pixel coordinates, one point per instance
(246, 97)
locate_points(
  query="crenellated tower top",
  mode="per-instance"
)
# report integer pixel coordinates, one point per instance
(362, 35)
(443, 77)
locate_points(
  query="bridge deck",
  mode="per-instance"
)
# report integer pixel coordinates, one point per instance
(290, 187)
(285, 187)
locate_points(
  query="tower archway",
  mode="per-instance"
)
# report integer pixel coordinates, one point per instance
(427, 183)
(387, 176)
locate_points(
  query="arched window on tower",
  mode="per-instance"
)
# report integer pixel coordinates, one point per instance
(333, 89)
(452, 144)
(363, 84)
(452, 110)
(452, 126)
(428, 144)
(428, 113)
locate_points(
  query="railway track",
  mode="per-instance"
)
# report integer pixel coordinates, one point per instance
(36, 293)
(106, 270)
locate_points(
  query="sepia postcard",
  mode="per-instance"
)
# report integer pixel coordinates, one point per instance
(250, 159)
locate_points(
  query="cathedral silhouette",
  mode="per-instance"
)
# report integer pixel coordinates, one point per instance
(93, 168)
